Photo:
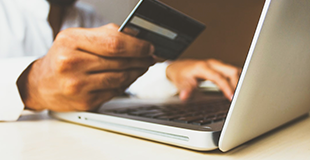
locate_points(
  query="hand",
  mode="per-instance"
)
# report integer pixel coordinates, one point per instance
(85, 68)
(186, 74)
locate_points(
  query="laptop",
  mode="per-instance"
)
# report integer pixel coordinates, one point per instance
(273, 89)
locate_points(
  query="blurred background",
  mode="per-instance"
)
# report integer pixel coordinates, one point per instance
(230, 24)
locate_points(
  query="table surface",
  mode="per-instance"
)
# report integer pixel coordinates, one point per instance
(36, 136)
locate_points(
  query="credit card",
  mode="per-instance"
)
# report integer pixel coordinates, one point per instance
(169, 30)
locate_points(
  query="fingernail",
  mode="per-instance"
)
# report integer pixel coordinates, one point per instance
(152, 50)
(183, 95)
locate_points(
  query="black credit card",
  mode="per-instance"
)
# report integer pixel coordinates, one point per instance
(169, 30)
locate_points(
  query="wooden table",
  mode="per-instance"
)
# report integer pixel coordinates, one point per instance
(36, 136)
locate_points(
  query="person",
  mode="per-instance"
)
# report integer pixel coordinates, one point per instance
(60, 55)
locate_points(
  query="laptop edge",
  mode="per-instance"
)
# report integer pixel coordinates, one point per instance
(236, 130)
(274, 84)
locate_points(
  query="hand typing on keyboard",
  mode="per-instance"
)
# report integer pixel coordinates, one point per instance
(186, 75)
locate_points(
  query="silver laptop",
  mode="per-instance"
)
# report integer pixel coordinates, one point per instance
(273, 89)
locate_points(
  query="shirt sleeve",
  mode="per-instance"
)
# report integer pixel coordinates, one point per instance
(11, 104)
(154, 84)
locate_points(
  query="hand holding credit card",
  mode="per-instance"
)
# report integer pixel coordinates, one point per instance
(170, 31)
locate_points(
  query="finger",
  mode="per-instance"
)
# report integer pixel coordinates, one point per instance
(131, 31)
(186, 88)
(90, 63)
(101, 64)
(185, 94)
(217, 78)
(226, 70)
(93, 100)
(113, 80)
(105, 41)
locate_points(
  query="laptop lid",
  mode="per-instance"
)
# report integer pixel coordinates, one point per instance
(274, 86)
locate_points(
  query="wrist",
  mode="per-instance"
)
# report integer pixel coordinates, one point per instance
(27, 90)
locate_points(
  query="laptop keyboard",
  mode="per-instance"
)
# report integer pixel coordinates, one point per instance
(198, 113)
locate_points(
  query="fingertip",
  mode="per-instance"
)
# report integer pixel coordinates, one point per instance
(228, 94)
(231, 97)
(184, 95)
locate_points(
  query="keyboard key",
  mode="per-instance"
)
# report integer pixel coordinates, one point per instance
(200, 113)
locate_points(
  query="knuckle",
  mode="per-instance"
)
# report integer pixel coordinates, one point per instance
(112, 25)
(211, 61)
(66, 38)
(65, 63)
(123, 77)
(200, 65)
(72, 87)
(62, 64)
(64, 35)
(115, 45)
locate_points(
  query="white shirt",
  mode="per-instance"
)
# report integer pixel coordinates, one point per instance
(25, 35)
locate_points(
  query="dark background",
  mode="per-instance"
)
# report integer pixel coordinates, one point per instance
(230, 24)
